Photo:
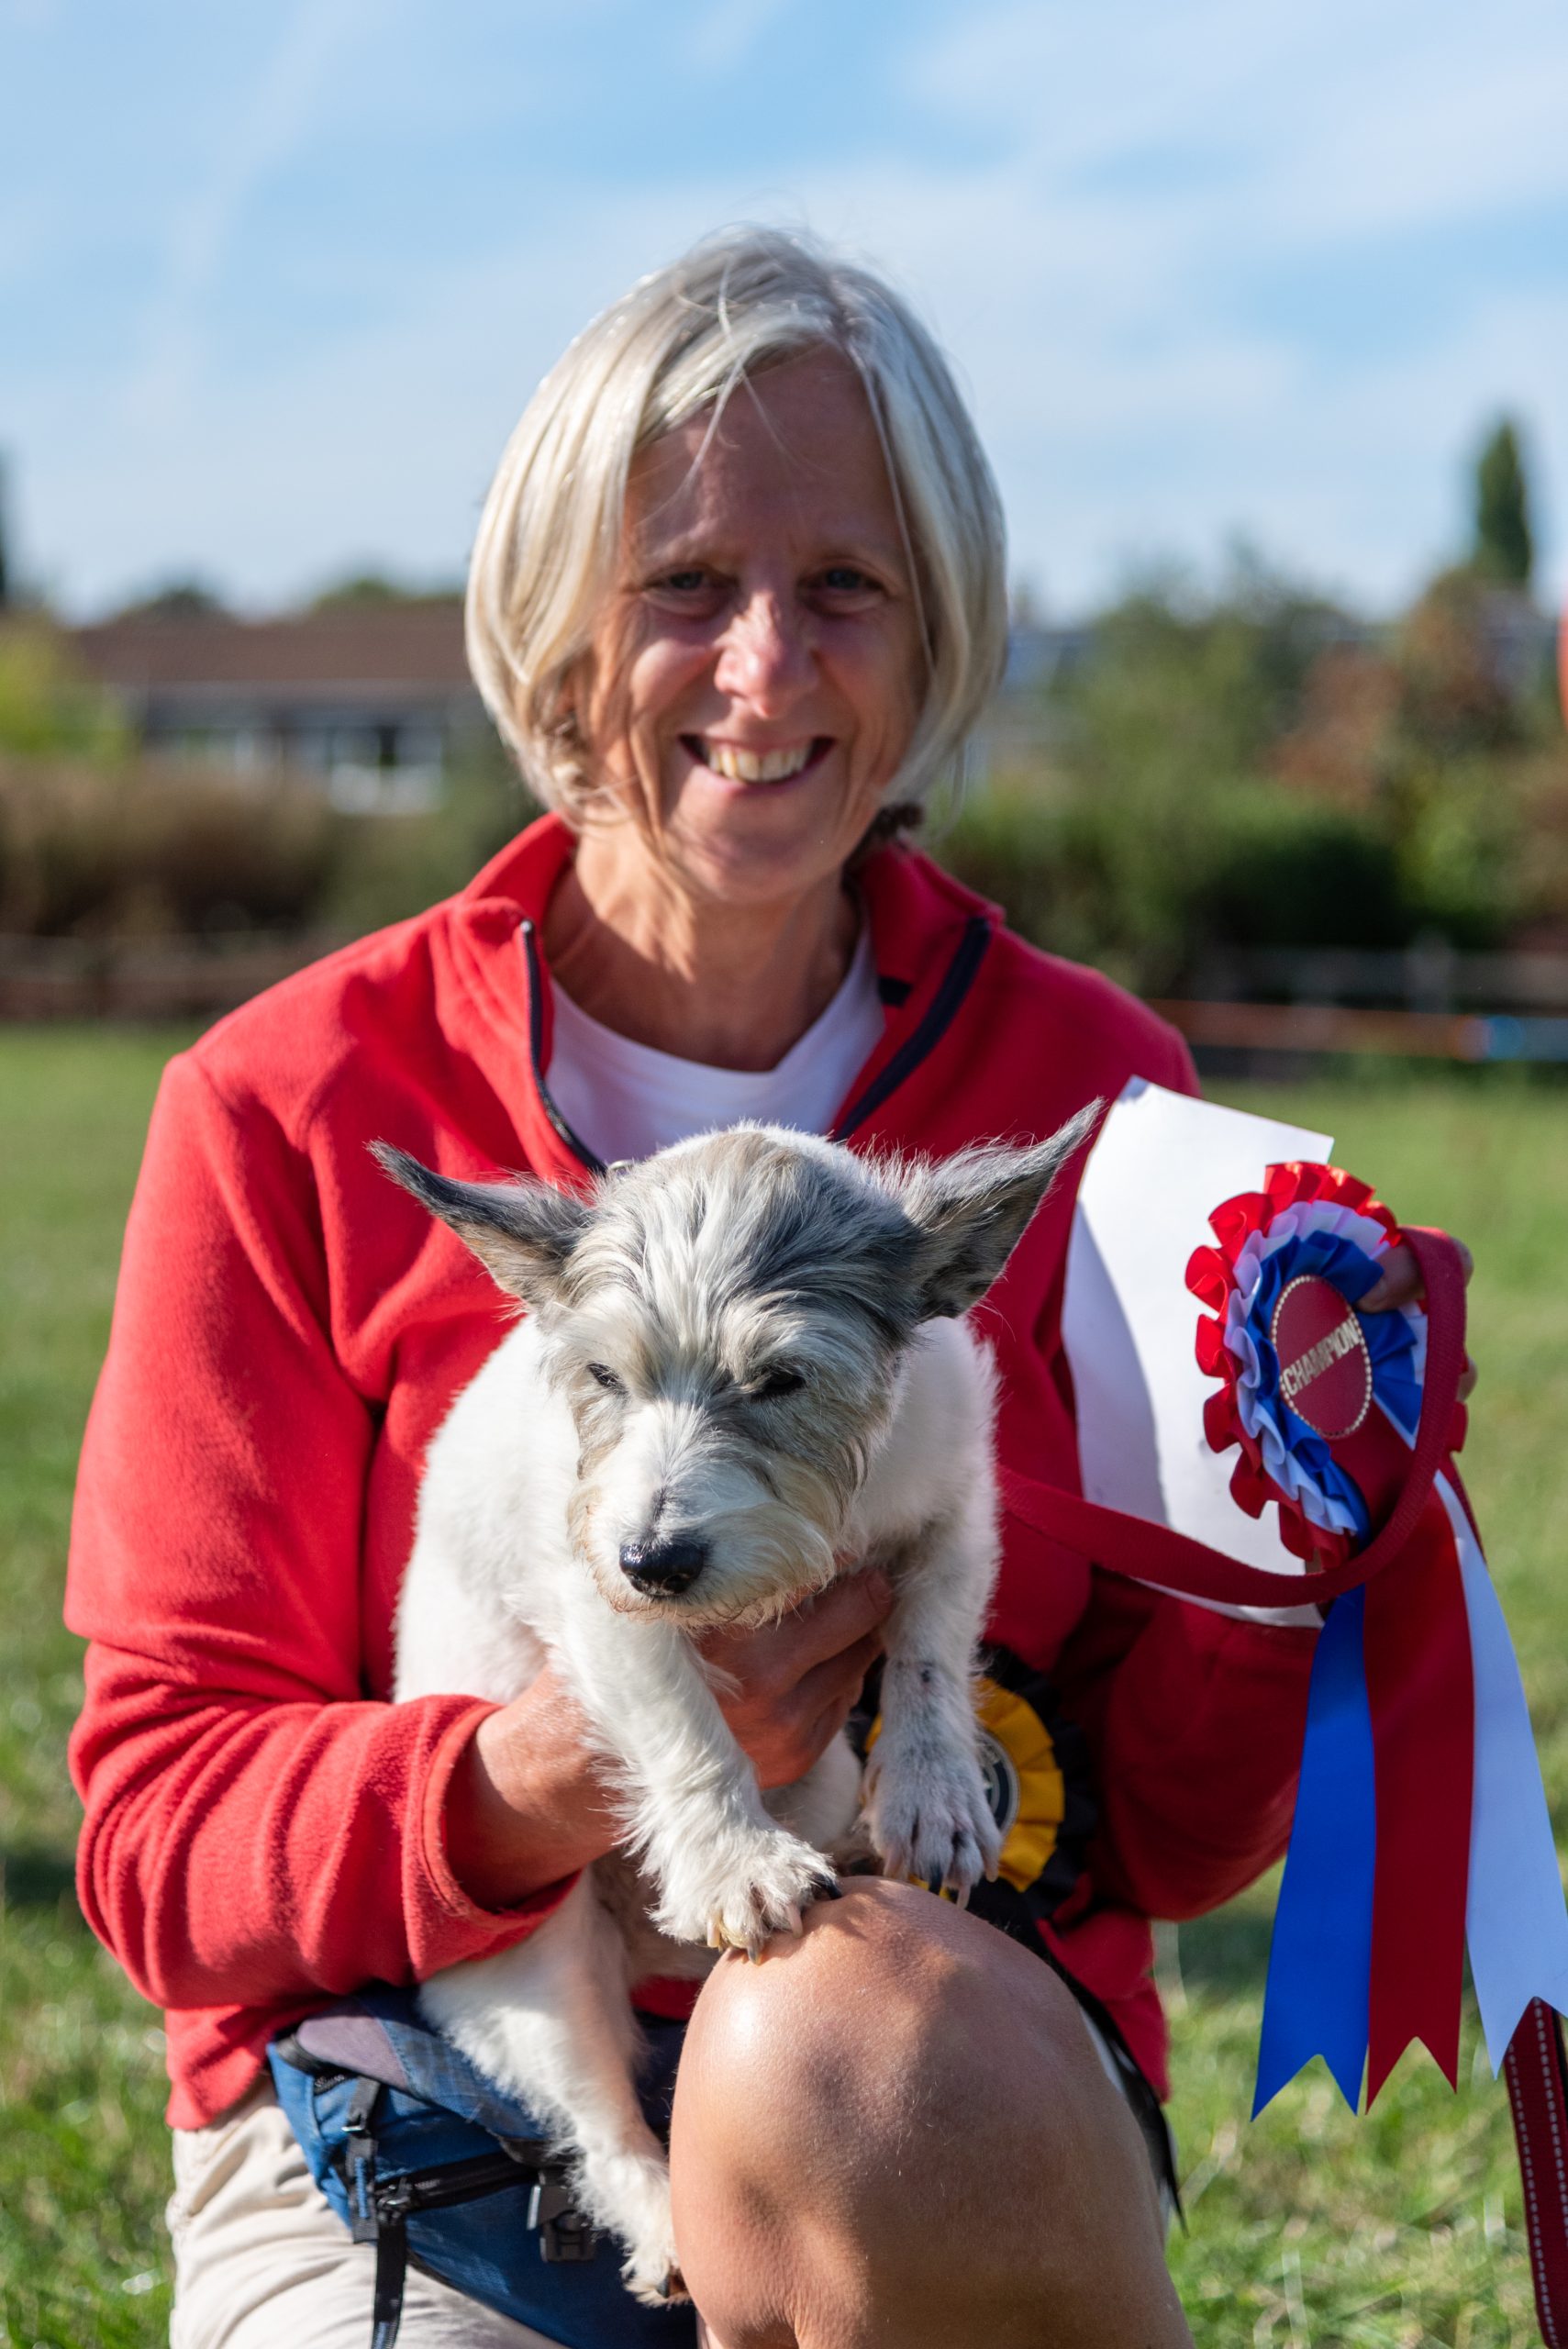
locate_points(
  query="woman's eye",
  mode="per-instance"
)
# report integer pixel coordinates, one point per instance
(603, 1376)
(777, 1382)
(847, 579)
(689, 582)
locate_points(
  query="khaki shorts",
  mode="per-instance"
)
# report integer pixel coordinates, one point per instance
(262, 2261)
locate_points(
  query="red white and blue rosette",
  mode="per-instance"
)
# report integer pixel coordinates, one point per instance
(1420, 1826)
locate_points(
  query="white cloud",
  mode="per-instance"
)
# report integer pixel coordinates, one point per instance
(1088, 241)
(276, 117)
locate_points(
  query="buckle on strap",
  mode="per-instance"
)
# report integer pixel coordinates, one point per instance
(358, 2162)
(564, 2234)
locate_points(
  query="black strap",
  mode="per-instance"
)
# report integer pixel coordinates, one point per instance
(358, 2160)
(391, 2271)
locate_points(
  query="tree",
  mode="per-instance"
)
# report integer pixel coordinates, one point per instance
(374, 591)
(1504, 549)
(178, 600)
(49, 705)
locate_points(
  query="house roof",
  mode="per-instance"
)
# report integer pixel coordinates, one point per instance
(413, 649)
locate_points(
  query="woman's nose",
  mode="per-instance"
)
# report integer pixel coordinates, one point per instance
(766, 658)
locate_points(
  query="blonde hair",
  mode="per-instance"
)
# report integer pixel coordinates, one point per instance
(679, 343)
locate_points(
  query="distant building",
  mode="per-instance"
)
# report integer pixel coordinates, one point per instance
(373, 699)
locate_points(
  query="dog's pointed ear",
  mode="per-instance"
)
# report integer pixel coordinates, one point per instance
(971, 1210)
(522, 1232)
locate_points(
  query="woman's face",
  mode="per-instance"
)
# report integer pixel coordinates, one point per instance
(756, 675)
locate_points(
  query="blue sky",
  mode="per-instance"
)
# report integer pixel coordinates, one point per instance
(275, 280)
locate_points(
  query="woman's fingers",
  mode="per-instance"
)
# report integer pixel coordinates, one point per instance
(790, 1685)
(1401, 1283)
(828, 1693)
(779, 1655)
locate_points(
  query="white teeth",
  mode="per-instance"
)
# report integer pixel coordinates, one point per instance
(756, 766)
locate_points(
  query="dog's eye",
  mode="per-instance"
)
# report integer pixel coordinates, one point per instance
(778, 1381)
(604, 1376)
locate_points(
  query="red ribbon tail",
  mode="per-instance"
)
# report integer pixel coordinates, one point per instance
(1421, 1693)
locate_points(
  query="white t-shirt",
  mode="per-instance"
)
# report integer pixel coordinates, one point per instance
(625, 1101)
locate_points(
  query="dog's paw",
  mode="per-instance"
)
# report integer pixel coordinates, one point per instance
(656, 2287)
(741, 1898)
(632, 2192)
(930, 1821)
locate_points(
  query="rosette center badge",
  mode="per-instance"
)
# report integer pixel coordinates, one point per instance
(1325, 1366)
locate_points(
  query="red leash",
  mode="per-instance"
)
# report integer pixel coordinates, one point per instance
(1537, 2074)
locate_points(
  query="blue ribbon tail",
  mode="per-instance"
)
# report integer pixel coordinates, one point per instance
(1320, 1959)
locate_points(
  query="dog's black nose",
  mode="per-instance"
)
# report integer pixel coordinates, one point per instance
(664, 1569)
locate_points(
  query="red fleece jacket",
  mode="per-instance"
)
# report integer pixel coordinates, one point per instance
(263, 1829)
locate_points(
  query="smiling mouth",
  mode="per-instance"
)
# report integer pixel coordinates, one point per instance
(740, 765)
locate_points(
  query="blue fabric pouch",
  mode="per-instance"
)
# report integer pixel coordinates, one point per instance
(419, 2155)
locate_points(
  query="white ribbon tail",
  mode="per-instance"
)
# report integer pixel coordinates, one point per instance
(1516, 1918)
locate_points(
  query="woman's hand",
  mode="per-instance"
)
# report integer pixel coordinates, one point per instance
(1401, 1284)
(529, 1800)
(787, 1690)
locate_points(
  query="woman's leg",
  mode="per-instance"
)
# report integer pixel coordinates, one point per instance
(897, 2130)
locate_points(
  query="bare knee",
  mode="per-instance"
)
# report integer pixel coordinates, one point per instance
(896, 2128)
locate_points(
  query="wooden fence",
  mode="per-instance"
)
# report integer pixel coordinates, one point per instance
(176, 978)
(1426, 1002)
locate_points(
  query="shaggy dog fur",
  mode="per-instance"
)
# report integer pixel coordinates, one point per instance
(743, 1369)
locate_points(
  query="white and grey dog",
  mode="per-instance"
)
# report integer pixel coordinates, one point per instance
(743, 1370)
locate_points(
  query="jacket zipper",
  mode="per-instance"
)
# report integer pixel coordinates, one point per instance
(454, 2182)
(574, 1140)
(940, 1014)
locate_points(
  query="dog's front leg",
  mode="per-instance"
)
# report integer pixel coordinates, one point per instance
(727, 1873)
(927, 1810)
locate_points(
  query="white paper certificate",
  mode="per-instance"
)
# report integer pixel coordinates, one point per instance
(1162, 1164)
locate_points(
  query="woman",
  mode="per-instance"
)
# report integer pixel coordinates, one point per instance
(736, 598)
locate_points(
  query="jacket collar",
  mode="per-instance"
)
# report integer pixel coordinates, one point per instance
(930, 936)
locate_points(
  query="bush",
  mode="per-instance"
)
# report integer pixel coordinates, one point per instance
(387, 867)
(47, 708)
(152, 849)
(147, 849)
(1146, 890)
(1288, 873)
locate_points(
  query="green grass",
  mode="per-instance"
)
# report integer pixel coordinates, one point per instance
(84, 2153)
(1306, 2227)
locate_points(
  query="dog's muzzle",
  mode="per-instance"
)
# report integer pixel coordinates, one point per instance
(662, 1569)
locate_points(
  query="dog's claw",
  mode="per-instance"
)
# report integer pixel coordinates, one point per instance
(782, 1878)
(933, 1826)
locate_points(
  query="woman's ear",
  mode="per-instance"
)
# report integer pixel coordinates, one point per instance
(564, 723)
